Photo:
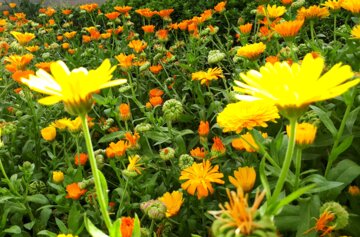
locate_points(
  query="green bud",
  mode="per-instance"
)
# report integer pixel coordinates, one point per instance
(215, 56)
(37, 187)
(341, 215)
(167, 153)
(143, 127)
(298, 3)
(145, 66)
(172, 109)
(185, 161)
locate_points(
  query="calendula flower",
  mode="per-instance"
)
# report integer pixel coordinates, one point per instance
(313, 12)
(145, 12)
(66, 235)
(173, 202)
(244, 177)
(66, 11)
(286, 2)
(57, 176)
(65, 123)
(89, 7)
(355, 32)
(305, 133)
(333, 4)
(21, 74)
(44, 66)
(70, 35)
(246, 142)
(354, 190)
(124, 111)
(123, 9)
(132, 140)
(165, 14)
(155, 101)
(127, 226)
(112, 15)
(22, 38)
(48, 133)
(251, 51)
(134, 164)
(203, 128)
(220, 7)
(125, 61)
(206, 77)
(217, 147)
(148, 28)
(288, 29)
(200, 177)
(198, 153)
(155, 92)
(245, 29)
(162, 35)
(74, 87)
(137, 45)
(288, 86)
(17, 62)
(351, 5)
(272, 59)
(246, 114)
(81, 159)
(273, 11)
(74, 191)
(156, 69)
(116, 149)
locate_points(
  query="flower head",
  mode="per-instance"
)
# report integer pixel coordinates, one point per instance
(246, 142)
(116, 149)
(198, 153)
(127, 226)
(81, 159)
(220, 7)
(333, 4)
(125, 61)
(245, 114)
(312, 12)
(245, 29)
(288, 28)
(173, 202)
(251, 51)
(134, 164)
(148, 28)
(206, 77)
(74, 191)
(305, 133)
(74, 87)
(200, 177)
(288, 86)
(22, 38)
(244, 177)
(48, 133)
(165, 14)
(57, 176)
(351, 5)
(203, 128)
(124, 110)
(355, 32)
(137, 45)
(274, 11)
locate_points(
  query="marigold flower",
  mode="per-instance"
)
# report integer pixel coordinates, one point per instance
(272, 11)
(112, 15)
(286, 2)
(134, 164)
(165, 14)
(351, 5)
(74, 87)
(66, 11)
(116, 149)
(354, 190)
(32, 49)
(198, 153)
(44, 66)
(81, 159)
(89, 7)
(65, 123)
(125, 112)
(156, 92)
(333, 4)
(156, 68)
(312, 12)
(251, 51)
(50, 11)
(12, 5)
(123, 9)
(21, 74)
(48, 133)
(245, 29)
(173, 202)
(137, 45)
(127, 226)
(246, 142)
(132, 140)
(125, 61)
(220, 7)
(272, 59)
(288, 29)
(244, 177)
(203, 128)
(156, 100)
(288, 86)
(162, 35)
(74, 191)
(217, 147)
(305, 133)
(200, 178)
(145, 12)
(206, 77)
(70, 35)
(17, 62)
(22, 38)
(355, 32)
(148, 28)
(57, 176)
(245, 114)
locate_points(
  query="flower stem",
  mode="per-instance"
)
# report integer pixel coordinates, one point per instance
(298, 156)
(99, 189)
(334, 27)
(287, 161)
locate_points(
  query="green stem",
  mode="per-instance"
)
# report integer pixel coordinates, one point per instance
(334, 27)
(298, 156)
(10, 184)
(287, 161)
(99, 189)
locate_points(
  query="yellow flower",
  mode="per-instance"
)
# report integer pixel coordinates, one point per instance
(173, 202)
(274, 11)
(251, 51)
(305, 133)
(355, 32)
(206, 77)
(65, 123)
(288, 28)
(288, 86)
(333, 4)
(57, 176)
(246, 114)
(48, 133)
(246, 142)
(134, 164)
(22, 38)
(199, 178)
(351, 5)
(74, 87)
(312, 13)
(244, 177)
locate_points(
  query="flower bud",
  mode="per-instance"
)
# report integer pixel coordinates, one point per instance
(57, 176)
(48, 133)
(37, 187)
(154, 209)
(143, 127)
(167, 153)
(341, 219)
(215, 56)
(172, 109)
(185, 161)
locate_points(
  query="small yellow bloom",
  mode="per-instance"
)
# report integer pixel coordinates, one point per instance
(57, 176)
(244, 177)
(274, 11)
(355, 32)
(333, 4)
(70, 125)
(246, 142)
(305, 133)
(173, 202)
(312, 12)
(48, 133)
(74, 88)
(206, 77)
(251, 51)
(22, 38)
(134, 164)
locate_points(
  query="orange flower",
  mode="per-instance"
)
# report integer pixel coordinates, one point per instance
(66, 11)
(323, 222)
(17, 62)
(125, 112)
(206, 15)
(183, 25)
(21, 74)
(118, 30)
(70, 35)
(210, 75)
(165, 14)
(156, 68)
(116, 149)
(4, 48)
(105, 35)
(220, 7)
(12, 5)
(173, 202)
(89, 7)
(44, 66)
(148, 28)
(127, 226)
(51, 22)
(251, 51)
(94, 33)
(351, 5)
(162, 35)
(200, 178)
(137, 45)
(286, 2)
(288, 29)
(198, 153)
(155, 92)
(246, 142)
(125, 61)
(50, 11)
(203, 128)
(80, 159)
(32, 49)
(22, 38)
(132, 139)
(48, 133)
(74, 191)
(146, 12)
(86, 39)
(272, 59)
(218, 147)
(244, 177)
(112, 15)
(156, 100)
(123, 9)
(245, 29)
(65, 45)
(312, 12)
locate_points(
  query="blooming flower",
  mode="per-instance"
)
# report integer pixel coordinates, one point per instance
(165, 14)
(74, 87)
(81, 159)
(312, 12)
(245, 114)
(57, 176)
(200, 178)
(355, 32)
(173, 202)
(17, 62)
(351, 5)
(66, 235)
(206, 77)
(245, 29)
(244, 177)
(220, 7)
(48, 133)
(137, 45)
(251, 51)
(112, 15)
(123, 9)
(156, 68)
(134, 164)
(116, 149)
(145, 12)
(305, 133)
(22, 38)
(89, 7)
(127, 226)
(333, 4)
(246, 142)
(288, 28)
(148, 28)
(217, 147)
(288, 86)
(132, 140)
(74, 191)
(124, 110)
(125, 61)
(203, 128)
(162, 34)
(198, 153)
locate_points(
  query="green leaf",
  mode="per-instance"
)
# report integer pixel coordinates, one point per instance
(37, 198)
(99, 99)
(180, 143)
(111, 137)
(309, 209)
(73, 219)
(288, 219)
(29, 225)
(322, 184)
(47, 233)
(114, 232)
(160, 137)
(92, 229)
(325, 119)
(136, 230)
(352, 118)
(104, 187)
(61, 225)
(13, 230)
(344, 145)
(263, 178)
